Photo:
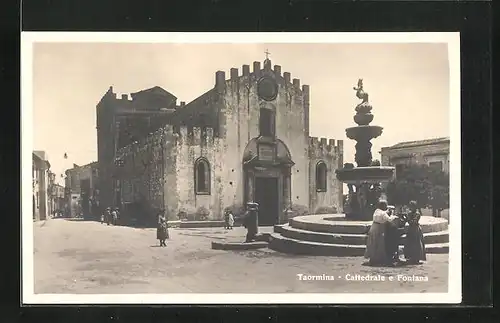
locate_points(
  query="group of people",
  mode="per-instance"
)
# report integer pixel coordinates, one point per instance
(110, 216)
(382, 247)
(250, 222)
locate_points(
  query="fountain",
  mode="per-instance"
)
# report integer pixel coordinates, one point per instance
(364, 181)
(345, 234)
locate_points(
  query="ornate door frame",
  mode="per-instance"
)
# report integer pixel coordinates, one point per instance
(281, 172)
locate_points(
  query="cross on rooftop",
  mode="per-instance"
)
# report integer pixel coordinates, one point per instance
(267, 53)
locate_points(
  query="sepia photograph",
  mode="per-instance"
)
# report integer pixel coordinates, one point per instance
(233, 168)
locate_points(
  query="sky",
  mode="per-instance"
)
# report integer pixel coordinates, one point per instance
(407, 83)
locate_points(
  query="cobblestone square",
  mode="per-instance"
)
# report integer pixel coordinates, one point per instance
(80, 257)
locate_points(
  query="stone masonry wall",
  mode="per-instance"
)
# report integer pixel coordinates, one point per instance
(332, 156)
(192, 144)
(141, 174)
(239, 123)
(160, 170)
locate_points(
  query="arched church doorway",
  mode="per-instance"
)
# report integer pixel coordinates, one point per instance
(267, 173)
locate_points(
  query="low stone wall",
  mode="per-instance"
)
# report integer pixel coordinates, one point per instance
(200, 224)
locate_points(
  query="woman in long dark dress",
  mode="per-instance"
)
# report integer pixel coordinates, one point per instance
(162, 229)
(414, 248)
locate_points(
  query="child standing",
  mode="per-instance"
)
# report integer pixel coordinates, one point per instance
(230, 221)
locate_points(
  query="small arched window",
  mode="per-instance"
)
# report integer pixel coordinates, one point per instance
(321, 171)
(202, 176)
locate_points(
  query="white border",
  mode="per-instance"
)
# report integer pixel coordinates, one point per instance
(454, 294)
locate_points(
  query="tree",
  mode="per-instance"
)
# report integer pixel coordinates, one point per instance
(421, 183)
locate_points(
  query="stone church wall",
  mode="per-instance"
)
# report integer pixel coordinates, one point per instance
(192, 144)
(141, 172)
(160, 171)
(239, 123)
(161, 168)
(321, 150)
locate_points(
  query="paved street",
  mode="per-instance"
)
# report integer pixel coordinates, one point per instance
(87, 257)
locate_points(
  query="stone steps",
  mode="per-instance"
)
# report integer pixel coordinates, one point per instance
(348, 238)
(351, 227)
(294, 246)
(334, 235)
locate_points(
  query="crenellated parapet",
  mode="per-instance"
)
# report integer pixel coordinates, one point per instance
(184, 135)
(325, 147)
(255, 72)
(157, 138)
(195, 136)
(124, 97)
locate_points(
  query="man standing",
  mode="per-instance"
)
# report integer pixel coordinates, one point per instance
(251, 221)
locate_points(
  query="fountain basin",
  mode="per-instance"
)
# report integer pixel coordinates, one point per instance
(359, 175)
(363, 132)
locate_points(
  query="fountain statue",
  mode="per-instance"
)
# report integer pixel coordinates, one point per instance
(364, 181)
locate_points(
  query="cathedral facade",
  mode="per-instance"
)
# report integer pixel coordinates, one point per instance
(246, 139)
